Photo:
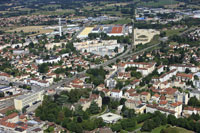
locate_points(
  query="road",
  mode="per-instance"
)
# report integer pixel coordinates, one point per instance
(135, 131)
(188, 30)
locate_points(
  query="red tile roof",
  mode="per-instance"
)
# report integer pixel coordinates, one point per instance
(162, 98)
(163, 102)
(156, 95)
(116, 30)
(176, 104)
(184, 75)
(115, 90)
(144, 93)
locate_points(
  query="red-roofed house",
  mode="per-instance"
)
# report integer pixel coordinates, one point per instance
(184, 77)
(116, 93)
(187, 111)
(177, 107)
(145, 96)
(155, 97)
(136, 105)
(85, 103)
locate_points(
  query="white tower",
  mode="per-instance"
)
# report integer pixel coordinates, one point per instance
(60, 27)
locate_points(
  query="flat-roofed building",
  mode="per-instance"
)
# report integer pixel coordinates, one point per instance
(85, 32)
(110, 117)
(25, 101)
(116, 31)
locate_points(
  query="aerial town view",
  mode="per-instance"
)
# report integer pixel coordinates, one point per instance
(99, 66)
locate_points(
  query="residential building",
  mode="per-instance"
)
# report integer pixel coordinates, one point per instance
(27, 100)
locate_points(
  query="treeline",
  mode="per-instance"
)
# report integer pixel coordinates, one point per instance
(158, 119)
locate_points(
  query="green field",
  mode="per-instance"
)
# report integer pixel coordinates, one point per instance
(174, 32)
(159, 3)
(176, 130)
(158, 129)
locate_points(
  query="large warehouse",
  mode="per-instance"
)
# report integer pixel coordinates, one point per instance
(85, 32)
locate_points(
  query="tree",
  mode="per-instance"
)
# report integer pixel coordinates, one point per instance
(194, 102)
(187, 70)
(105, 100)
(114, 104)
(43, 68)
(116, 127)
(10, 84)
(116, 50)
(50, 129)
(138, 75)
(99, 122)
(119, 85)
(128, 113)
(148, 126)
(128, 123)
(61, 117)
(171, 120)
(94, 109)
(1, 94)
(196, 77)
(122, 101)
(88, 125)
(74, 127)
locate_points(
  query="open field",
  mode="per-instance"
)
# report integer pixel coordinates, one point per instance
(159, 3)
(174, 32)
(158, 129)
(169, 130)
(57, 12)
(118, 4)
(176, 130)
(27, 29)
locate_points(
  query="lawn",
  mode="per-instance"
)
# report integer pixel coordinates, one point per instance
(169, 130)
(123, 21)
(158, 129)
(174, 32)
(120, 21)
(176, 130)
(155, 40)
(27, 29)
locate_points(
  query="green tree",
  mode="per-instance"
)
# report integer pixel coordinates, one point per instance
(116, 127)
(171, 120)
(116, 50)
(196, 77)
(88, 125)
(187, 70)
(148, 126)
(194, 102)
(94, 109)
(1, 94)
(127, 124)
(43, 68)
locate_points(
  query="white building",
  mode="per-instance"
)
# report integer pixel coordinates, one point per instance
(50, 60)
(99, 47)
(116, 93)
(195, 93)
(25, 101)
(182, 68)
(110, 117)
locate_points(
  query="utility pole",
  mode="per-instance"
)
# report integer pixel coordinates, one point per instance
(133, 32)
